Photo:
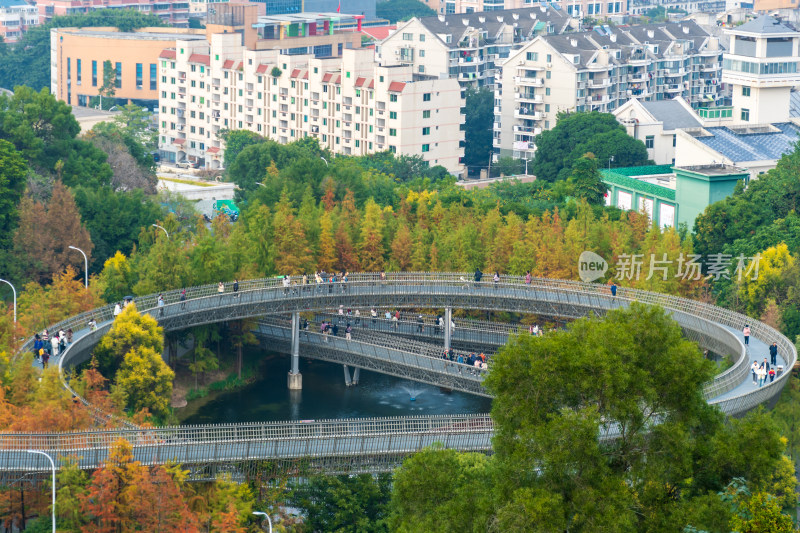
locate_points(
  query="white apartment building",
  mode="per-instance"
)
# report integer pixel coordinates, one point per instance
(600, 70)
(16, 17)
(349, 104)
(468, 47)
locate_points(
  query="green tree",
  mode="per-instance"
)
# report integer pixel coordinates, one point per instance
(585, 180)
(397, 10)
(117, 278)
(574, 135)
(478, 127)
(344, 503)
(144, 381)
(13, 171)
(236, 141)
(108, 89)
(131, 330)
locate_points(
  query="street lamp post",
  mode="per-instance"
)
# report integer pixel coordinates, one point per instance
(610, 160)
(85, 267)
(265, 515)
(161, 227)
(15, 298)
(53, 465)
(326, 161)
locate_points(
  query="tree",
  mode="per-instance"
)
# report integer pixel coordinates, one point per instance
(585, 180)
(117, 278)
(397, 10)
(772, 266)
(478, 127)
(108, 88)
(144, 381)
(236, 141)
(578, 133)
(13, 172)
(356, 503)
(371, 246)
(45, 233)
(508, 166)
(130, 330)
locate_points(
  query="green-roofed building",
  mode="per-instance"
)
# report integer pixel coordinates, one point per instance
(670, 195)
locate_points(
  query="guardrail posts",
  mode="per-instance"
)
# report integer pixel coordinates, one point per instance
(448, 331)
(295, 381)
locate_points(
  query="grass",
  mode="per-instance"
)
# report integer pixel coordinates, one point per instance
(231, 382)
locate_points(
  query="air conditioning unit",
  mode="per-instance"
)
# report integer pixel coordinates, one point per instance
(549, 65)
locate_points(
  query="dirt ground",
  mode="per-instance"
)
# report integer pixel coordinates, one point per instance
(184, 382)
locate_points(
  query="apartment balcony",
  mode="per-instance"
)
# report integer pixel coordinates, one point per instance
(638, 93)
(528, 98)
(467, 76)
(638, 78)
(527, 130)
(673, 88)
(671, 73)
(525, 81)
(598, 99)
(598, 68)
(470, 60)
(495, 126)
(713, 67)
(523, 113)
(599, 84)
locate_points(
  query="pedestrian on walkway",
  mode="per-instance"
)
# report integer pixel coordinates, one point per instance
(528, 278)
(348, 332)
(420, 324)
(374, 314)
(358, 317)
(286, 282)
(613, 288)
(496, 278)
(395, 319)
(69, 336)
(235, 288)
(45, 359)
(771, 374)
(478, 276)
(754, 371)
(54, 344)
(220, 287)
(762, 375)
(183, 299)
(160, 305)
(746, 333)
(773, 353)
(117, 311)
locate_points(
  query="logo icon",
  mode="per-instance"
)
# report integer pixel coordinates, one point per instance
(591, 266)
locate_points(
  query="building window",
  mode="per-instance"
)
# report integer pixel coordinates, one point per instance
(549, 58)
(408, 37)
(547, 91)
(139, 76)
(392, 132)
(392, 97)
(78, 71)
(426, 114)
(422, 69)
(94, 73)
(426, 97)
(532, 56)
(153, 76)
(674, 140)
(426, 130)
(649, 141)
(393, 149)
(422, 53)
(392, 114)
(118, 76)
(426, 147)
(745, 114)
(745, 91)
(547, 75)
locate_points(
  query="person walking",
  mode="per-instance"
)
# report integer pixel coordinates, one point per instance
(69, 336)
(358, 317)
(395, 319)
(528, 278)
(496, 278)
(374, 315)
(183, 299)
(348, 332)
(773, 353)
(235, 288)
(160, 303)
(613, 288)
(746, 333)
(762, 375)
(754, 371)
(420, 324)
(45, 359)
(54, 344)
(771, 374)
(117, 310)
(286, 283)
(478, 276)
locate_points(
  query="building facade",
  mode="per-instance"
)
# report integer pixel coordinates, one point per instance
(16, 17)
(762, 67)
(574, 8)
(600, 70)
(346, 101)
(172, 12)
(78, 57)
(468, 47)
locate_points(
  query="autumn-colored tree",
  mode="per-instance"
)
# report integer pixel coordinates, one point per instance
(326, 258)
(130, 330)
(371, 245)
(347, 256)
(45, 233)
(156, 503)
(117, 278)
(65, 296)
(290, 248)
(106, 503)
(144, 381)
(402, 246)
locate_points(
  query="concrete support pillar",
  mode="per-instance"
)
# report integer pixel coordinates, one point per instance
(295, 378)
(356, 375)
(347, 381)
(448, 317)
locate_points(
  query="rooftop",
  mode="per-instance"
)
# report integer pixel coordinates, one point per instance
(764, 25)
(12, 3)
(754, 143)
(135, 36)
(719, 169)
(672, 114)
(655, 180)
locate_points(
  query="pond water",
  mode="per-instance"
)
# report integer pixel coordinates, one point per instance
(325, 396)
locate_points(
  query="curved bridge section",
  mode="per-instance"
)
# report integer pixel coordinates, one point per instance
(712, 327)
